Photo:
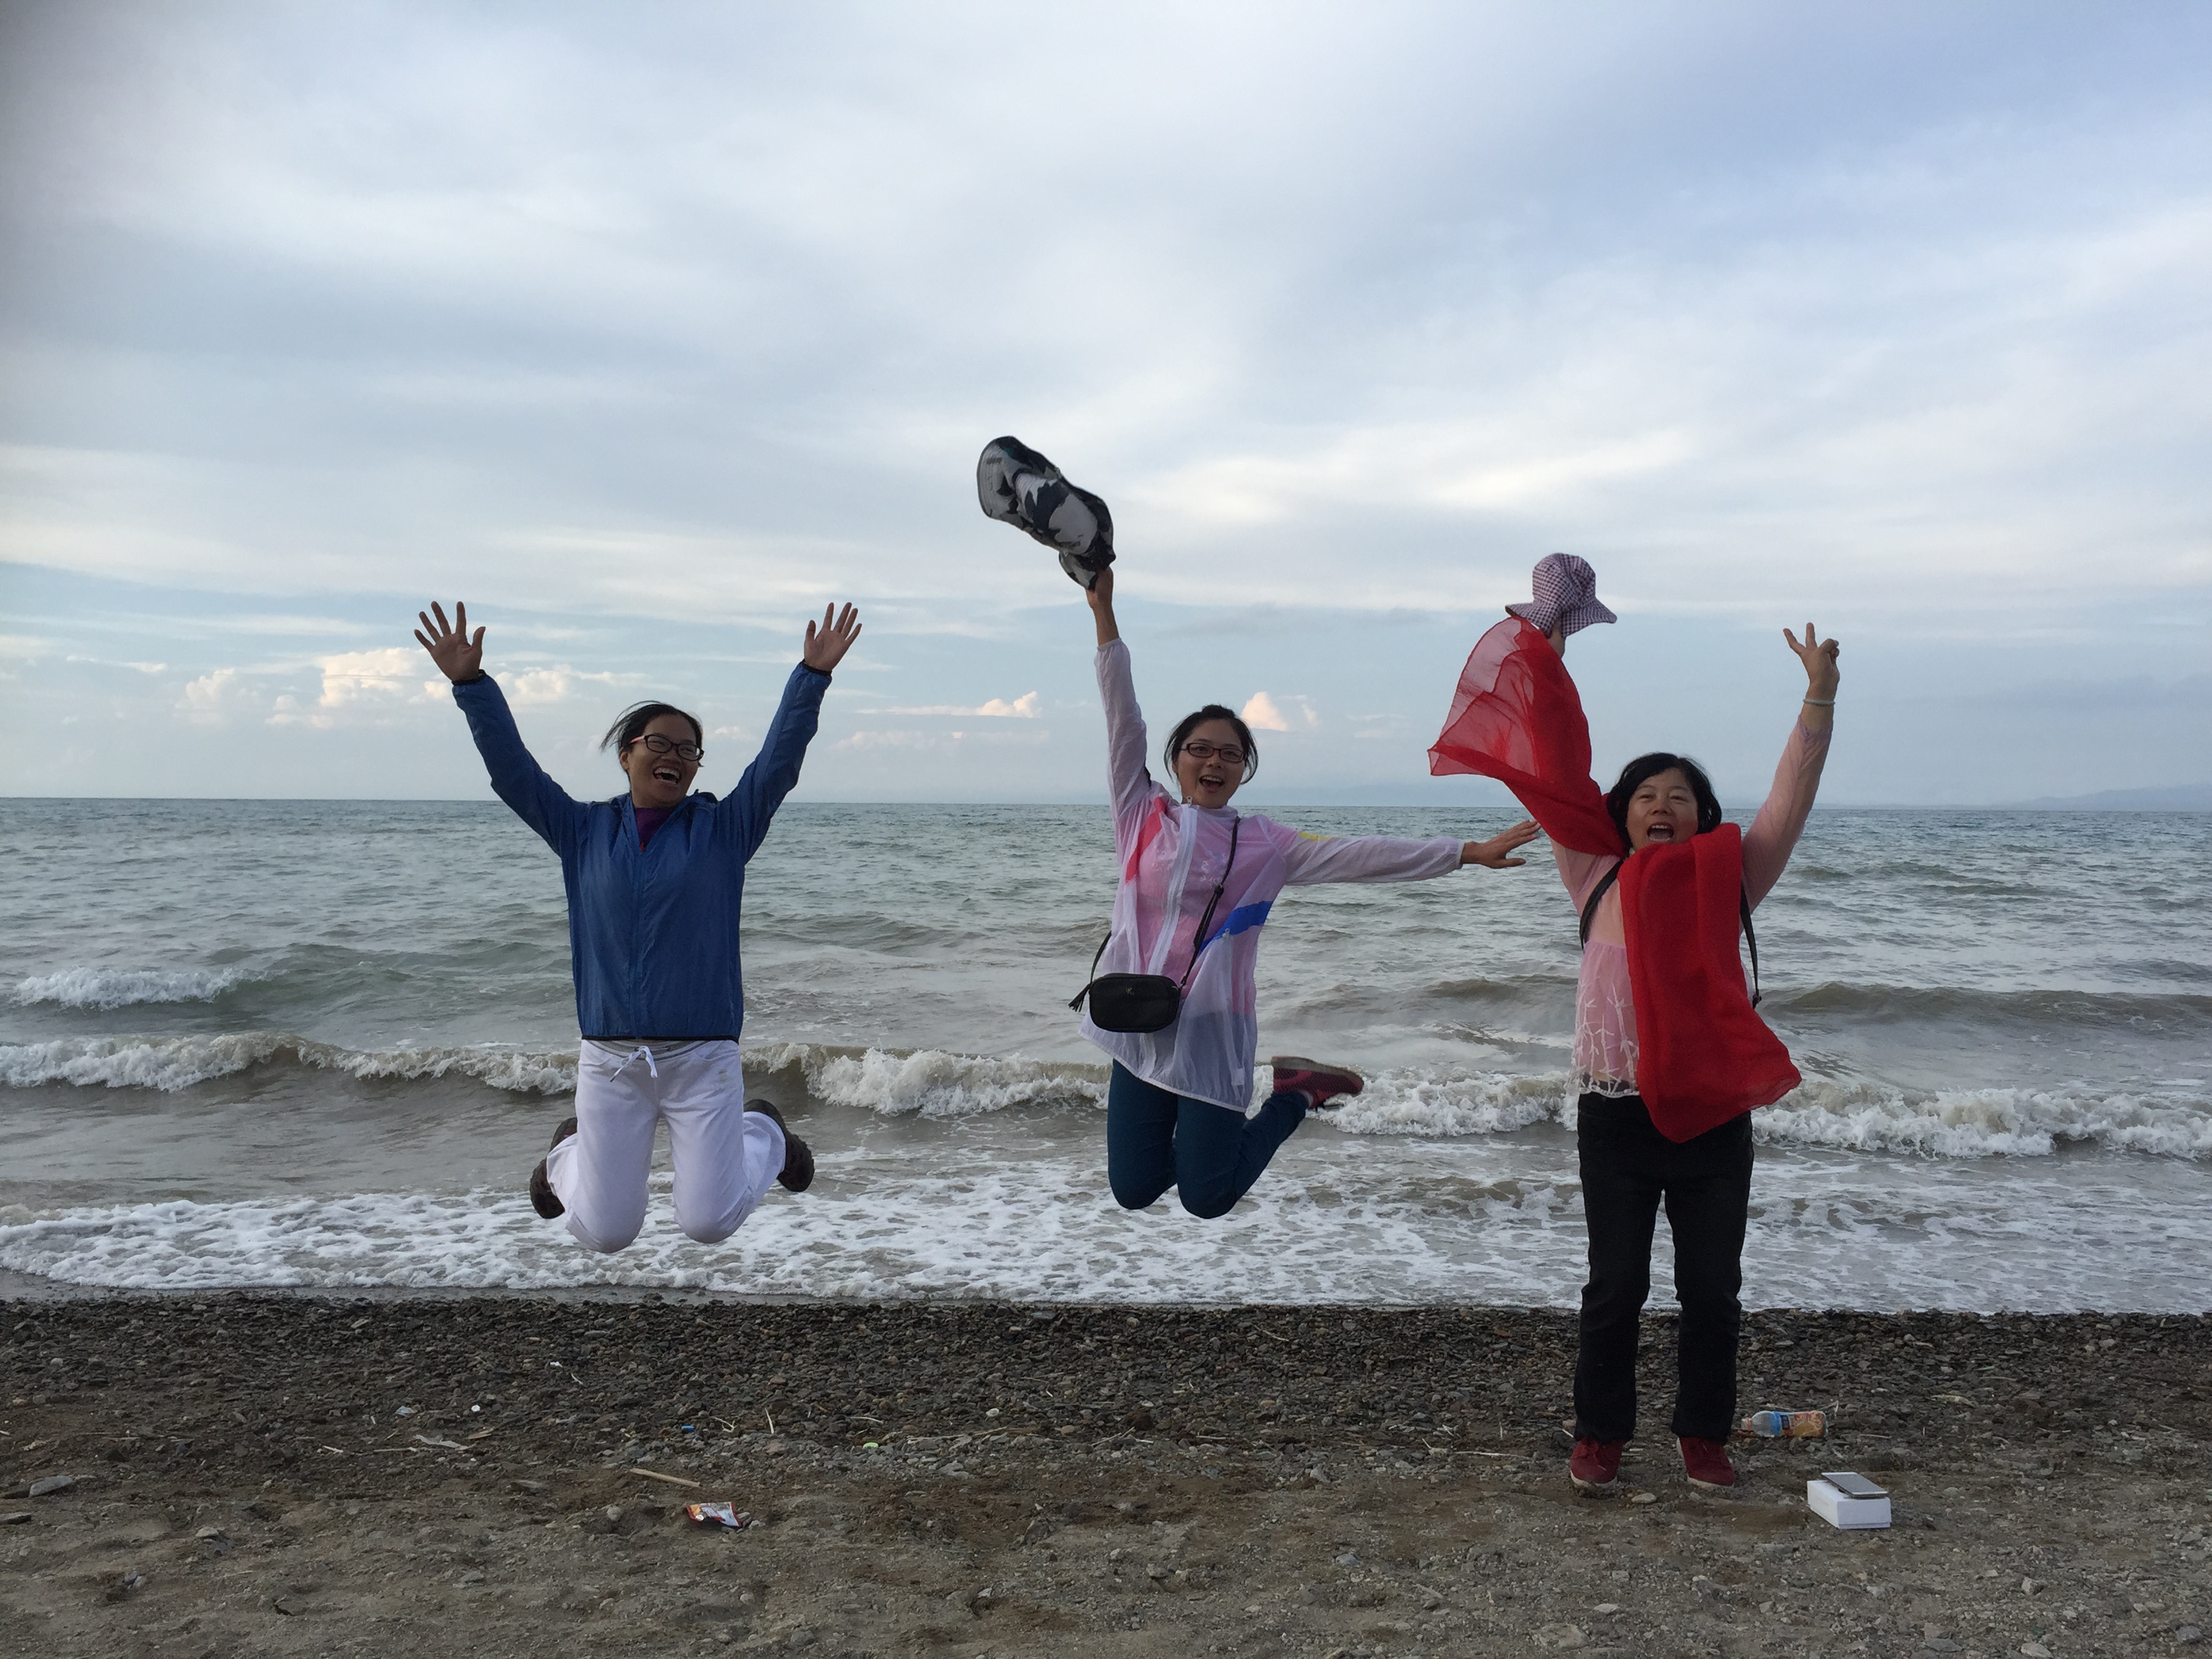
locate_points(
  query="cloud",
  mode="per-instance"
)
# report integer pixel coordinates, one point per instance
(216, 697)
(907, 738)
(1023, 708)
(1889, 316)
(539, 687)
(1263, 714)
(358, 676)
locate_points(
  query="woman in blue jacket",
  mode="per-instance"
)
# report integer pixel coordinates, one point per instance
(654, 880)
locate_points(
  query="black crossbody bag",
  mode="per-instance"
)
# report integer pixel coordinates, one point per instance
(1742, 911)
(1149, 1002)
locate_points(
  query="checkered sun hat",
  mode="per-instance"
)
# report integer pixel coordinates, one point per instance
(1565, 596)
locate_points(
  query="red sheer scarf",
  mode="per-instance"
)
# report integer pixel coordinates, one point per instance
(1703, 1056)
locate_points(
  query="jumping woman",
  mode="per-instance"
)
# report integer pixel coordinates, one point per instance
(654, 878)
(1196, 884)
(1670, 1058)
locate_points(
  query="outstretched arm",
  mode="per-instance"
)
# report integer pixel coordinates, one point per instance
(1128, 780)
(1310, 860)
(516, 776)
(775, 770)
(1773, 833)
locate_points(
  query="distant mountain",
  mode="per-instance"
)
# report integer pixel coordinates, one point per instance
(2174, 798)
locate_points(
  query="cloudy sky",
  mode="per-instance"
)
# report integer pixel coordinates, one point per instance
(646, 330)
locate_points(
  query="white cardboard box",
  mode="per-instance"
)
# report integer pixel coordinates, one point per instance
(1838, 1509)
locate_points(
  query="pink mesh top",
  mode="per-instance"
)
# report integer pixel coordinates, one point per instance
(1604, 1012)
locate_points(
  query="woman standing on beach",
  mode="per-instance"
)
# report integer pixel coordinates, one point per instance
(1197, 881)
(1670, 1058)
(655, 876)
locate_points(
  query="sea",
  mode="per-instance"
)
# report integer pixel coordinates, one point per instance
(316, 1044)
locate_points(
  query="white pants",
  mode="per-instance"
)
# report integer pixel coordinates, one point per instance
(725, 1157)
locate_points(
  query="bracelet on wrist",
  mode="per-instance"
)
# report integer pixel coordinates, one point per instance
(1819, 703)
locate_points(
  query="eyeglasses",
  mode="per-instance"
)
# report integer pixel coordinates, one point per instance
(661, 745)
(1229, 755)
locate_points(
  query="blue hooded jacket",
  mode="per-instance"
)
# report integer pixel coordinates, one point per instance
(652, 931)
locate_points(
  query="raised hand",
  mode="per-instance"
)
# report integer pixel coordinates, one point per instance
(459, 657)
(1099, 596)
(1818, 656)
(828, 641)
(1491, 854)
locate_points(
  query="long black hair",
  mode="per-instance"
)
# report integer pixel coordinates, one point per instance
(1644, 768)
(1214, 711)
(629, 725)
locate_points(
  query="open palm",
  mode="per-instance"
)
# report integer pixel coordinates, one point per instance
(827, 642)
(459, 657)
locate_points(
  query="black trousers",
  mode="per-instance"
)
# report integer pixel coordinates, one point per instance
(1628, 1168)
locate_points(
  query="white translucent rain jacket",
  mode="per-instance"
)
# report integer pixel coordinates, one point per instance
(1170, 857)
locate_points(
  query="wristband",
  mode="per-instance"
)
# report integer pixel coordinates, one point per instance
(1819, 703)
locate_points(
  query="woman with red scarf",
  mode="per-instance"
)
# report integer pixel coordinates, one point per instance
(1670, 1058)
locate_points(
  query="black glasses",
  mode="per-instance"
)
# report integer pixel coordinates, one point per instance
(661, 745)
(1229, 755)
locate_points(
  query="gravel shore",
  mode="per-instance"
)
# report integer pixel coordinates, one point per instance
(254, 1474)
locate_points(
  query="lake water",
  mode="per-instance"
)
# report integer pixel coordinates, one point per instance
(322, 1044)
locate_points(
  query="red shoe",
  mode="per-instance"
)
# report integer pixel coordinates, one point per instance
(1706, 1463)
(1595, 1466)
(1318, 1082)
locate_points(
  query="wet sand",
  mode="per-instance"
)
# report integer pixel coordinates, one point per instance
(279, 1474)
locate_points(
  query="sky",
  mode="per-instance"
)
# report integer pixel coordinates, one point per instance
(649, 330)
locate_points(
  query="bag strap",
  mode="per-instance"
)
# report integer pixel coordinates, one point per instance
(1197, 939)
(1589, 905)
(1743, 914)
(1076, 1001)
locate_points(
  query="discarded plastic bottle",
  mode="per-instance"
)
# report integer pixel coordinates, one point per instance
(1787, 1425)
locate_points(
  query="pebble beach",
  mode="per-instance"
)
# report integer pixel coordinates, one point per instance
(241, 1474)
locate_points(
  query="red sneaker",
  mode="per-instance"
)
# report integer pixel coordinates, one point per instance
(1595, 1466)
(1318, 1082)
(1706, 1463)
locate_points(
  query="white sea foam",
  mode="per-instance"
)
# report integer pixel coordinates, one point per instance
(170, 1063)
(1395, 1223)
(935, 1084)
(1860, 1116)
(1427, 1101)
(120, 988)
(1436, 1101)
(1982, 1122)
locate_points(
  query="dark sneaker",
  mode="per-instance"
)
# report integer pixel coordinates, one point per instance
(1018, 486)
(1706, 1463)
(1595, 1466)
(798, 1172)
(1318, 1082)
(543, 1198)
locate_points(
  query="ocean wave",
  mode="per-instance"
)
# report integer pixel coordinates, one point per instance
(1441, 1102)
(1979, 1010)
(1851, 1116)
(1431, 1102)
(121, 988)
(174, 1063)
(931, 1082)
(1982, 1122)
